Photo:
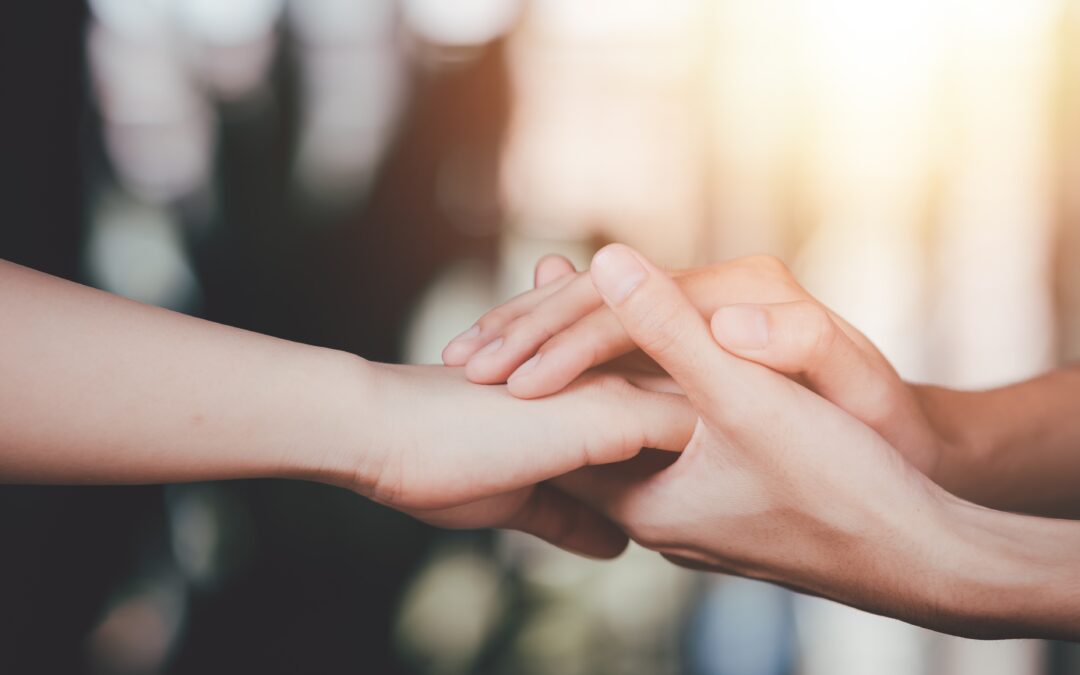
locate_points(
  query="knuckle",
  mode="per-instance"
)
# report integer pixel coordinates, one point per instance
(765, 270)
(553, 259)
(767, 264)
(662, 329)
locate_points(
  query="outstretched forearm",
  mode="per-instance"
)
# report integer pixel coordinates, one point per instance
(99, 389)
(993, 574)
(1015, 448)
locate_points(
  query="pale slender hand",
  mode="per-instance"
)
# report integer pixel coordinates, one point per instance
(99, 389)
(466, 456)
(779, 484)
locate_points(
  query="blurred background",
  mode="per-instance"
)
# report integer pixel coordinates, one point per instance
(371, 175)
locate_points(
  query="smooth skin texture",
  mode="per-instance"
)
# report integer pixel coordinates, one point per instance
(1012, 448)
(99, 389)
(777, 483)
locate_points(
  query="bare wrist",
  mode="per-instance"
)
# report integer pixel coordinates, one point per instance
(966, 443)
(1003, 575)
(342, 413)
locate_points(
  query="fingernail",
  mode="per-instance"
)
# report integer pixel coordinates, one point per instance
(490, 348)
(741, 327)
(616, 273)
(525, 368)
(468, 335)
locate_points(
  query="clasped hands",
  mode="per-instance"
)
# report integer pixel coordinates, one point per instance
(782, 445)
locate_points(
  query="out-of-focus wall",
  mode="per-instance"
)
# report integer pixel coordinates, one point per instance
(905, 158)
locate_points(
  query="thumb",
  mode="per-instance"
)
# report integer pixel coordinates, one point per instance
(802, 339)
(664, 324)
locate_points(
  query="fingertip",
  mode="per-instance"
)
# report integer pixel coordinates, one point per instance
(616, 271)
(528, 389)
(488, 364)
(460, 354)
(533, 386)
(453, 355)
(611, 249)
(550, 268)
(675, 427)
(547, 373)
(479, 372)
(522, 382)
(458, 350)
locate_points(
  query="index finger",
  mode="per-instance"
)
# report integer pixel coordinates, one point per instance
(595, 339)
(488, 326)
